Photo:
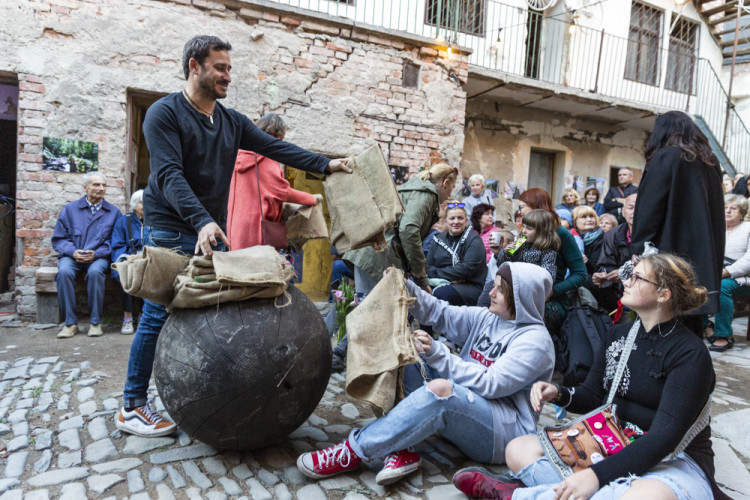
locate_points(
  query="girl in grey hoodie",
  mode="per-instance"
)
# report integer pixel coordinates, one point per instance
(478, 400)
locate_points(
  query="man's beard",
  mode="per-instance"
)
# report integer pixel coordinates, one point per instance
(209, 88)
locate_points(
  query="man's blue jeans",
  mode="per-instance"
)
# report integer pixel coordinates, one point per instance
(143, 348)
(96, 275)
(723, 319)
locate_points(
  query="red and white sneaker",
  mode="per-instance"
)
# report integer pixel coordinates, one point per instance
(397, 465)
(329, 462)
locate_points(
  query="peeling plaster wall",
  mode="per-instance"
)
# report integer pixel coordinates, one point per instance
(339, 89)
(499, 139)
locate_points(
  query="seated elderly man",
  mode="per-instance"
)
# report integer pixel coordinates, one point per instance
(605, 283)
(82, 238)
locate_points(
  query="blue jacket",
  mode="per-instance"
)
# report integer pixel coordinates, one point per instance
(121, 245)
(77, 229)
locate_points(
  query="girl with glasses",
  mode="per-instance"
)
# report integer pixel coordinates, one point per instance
(667, 381)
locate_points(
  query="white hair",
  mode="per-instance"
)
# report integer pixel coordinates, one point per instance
(476, 177)
(135, 198)
(88, 175)
(625, 168)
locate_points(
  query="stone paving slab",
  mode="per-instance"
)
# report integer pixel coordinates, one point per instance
(72, 451)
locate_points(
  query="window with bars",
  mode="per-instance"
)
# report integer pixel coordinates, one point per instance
(642, 58)
(681, 62)
(466, 16)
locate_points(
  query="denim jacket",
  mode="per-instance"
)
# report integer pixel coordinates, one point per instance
(77, 229)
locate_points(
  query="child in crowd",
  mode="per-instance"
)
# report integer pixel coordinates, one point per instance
(539, 243)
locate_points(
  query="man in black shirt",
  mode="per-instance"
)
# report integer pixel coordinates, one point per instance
(193, 142)
(616, 195)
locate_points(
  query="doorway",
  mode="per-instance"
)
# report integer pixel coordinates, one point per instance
(637, 173)
(138, 168)
(542, 170)
(8, 148)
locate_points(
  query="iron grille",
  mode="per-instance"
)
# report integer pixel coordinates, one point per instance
(642, 58)
(466, 16)
(681, 62)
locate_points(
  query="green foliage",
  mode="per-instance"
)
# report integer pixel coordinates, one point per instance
(345, 299)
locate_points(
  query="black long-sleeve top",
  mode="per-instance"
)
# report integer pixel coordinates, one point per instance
(611, 205)
(471, 269)
(192, 160)
(666, 384)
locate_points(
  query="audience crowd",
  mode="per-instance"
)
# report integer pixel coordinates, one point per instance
(500, 291)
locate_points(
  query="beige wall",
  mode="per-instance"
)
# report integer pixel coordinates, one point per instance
(499, 138)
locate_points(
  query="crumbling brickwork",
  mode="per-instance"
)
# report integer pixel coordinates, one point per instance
(339, 87)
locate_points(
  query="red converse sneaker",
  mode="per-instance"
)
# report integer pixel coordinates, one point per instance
(397, 465)
(329, 462)
(476, 482)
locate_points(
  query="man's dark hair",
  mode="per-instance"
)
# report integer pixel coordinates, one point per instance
(198, 48)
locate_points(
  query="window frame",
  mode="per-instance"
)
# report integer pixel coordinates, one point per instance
(634, 70)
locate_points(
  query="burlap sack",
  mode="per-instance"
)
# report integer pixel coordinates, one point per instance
(255, 272)
(363, 204)
(151, 273)
(304, 224)
(380, 342)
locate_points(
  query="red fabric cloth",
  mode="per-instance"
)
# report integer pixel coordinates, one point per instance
(243, 210)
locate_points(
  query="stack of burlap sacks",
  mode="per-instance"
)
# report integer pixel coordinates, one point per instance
(180, 282)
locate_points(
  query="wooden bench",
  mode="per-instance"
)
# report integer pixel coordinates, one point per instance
(47, 305)
(742, 310)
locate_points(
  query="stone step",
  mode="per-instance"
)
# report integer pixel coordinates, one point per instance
(7, 302)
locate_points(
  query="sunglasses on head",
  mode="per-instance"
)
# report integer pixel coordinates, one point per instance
(455, 205)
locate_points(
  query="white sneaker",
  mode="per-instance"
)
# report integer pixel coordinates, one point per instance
(95, 331)
(144, 421)
(127, 328)
(67, 332)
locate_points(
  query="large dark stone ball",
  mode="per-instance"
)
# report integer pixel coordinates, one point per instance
(244, 374)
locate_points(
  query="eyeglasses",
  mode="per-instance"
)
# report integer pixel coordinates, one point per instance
(455, 205)
(635, 277)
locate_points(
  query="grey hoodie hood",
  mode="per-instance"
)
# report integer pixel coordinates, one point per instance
(532, 285)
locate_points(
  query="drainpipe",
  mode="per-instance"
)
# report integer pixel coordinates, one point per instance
(731, 74)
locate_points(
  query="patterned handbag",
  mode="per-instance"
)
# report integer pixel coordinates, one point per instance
(592, 437)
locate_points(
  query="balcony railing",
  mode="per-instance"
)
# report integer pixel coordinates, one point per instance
(523, 43)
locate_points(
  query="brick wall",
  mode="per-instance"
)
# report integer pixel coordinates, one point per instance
(340, 89)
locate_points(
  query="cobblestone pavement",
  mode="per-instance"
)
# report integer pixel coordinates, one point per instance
(58, 400)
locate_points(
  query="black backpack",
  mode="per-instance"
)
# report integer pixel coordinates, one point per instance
(580, 337)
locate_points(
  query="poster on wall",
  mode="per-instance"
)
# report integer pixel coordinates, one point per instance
(597, 182)
(514, 189)
(399, 174)
(70, 155)
(493, 186)
(574, 182)
(8, 102)
(465, 191)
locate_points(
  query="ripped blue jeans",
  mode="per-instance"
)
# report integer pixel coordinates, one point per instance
(463, 418)
(682, 475)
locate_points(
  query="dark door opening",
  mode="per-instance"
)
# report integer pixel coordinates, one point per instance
(138, 168)
(542, 170)
(8, 148)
